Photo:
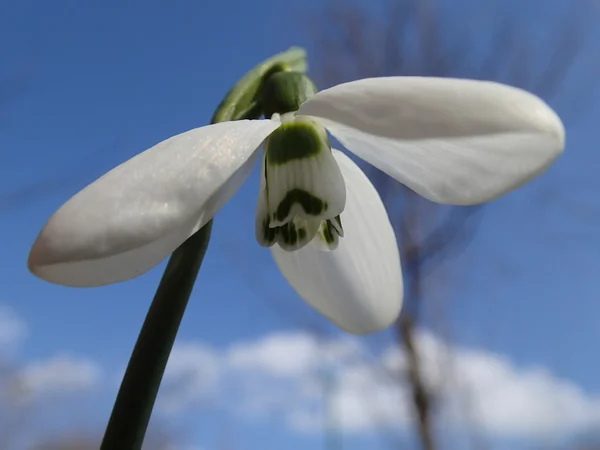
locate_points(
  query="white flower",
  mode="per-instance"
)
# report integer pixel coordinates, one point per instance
(452, 141)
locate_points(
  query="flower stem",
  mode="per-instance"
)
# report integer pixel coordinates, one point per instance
(131, 412)
(129, 419)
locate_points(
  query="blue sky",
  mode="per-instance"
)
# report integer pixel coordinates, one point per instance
(97, 82)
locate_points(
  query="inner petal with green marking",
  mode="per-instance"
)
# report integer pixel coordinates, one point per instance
(302, 177)
(302, 188)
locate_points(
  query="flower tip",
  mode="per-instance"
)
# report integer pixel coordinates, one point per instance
(558, 131)
(35, 259)
(553, 137)
(38, 259)
(45, 262)
(549, 123)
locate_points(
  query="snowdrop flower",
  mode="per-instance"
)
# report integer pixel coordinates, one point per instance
(452, 141)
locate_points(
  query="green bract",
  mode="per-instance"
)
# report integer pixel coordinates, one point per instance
(285, 91)
(242, 101)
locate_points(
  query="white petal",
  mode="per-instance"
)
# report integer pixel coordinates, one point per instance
(133, 217)
(452, 141)
(358, 286)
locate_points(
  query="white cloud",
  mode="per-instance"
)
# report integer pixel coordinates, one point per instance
(285, 375)
(13, 329)
(191, 376)
(515, 401)
(60, 374)
(290, 354)
(277, 354)
(276, 374)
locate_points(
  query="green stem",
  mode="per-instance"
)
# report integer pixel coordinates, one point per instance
(129, 419)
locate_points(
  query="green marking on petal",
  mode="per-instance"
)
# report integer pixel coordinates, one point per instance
(269, 234)
(336, 223)
(293, 235)
(311, 205)
(328, 231)
(293, 141)
(290, 235)
(301, 234)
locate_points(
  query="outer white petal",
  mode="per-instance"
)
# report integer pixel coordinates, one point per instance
(358, 286)
(452, 141)
(133, 217)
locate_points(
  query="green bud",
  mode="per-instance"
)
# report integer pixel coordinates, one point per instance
(285, 91)
(242, 100)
